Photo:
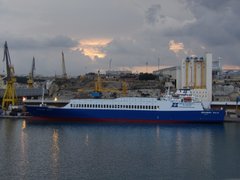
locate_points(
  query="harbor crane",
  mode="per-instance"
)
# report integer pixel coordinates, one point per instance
(31, 75)
(9, 97)
(99, 90)
(64, 67)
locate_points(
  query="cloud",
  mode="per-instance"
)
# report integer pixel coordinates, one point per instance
(140, 32)
(213, 26)
(26, 43)
(60, 41)
(213, 5)
(93, 48)
(176, 47)
(216, 21)
(153, 15)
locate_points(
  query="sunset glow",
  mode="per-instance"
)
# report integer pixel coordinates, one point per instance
(175, 46)
(230, 67)
(145, 69)
(93, 47)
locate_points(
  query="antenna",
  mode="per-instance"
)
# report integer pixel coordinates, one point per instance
(146, 67)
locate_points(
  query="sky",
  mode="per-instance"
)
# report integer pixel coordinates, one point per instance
(136, 35)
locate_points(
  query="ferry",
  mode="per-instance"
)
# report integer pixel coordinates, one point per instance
(129, 109)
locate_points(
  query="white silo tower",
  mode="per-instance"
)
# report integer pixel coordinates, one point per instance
(197, 75)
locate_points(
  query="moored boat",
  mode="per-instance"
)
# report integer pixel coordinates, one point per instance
(129, 109)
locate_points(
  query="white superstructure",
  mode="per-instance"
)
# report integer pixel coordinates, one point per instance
(136, 103)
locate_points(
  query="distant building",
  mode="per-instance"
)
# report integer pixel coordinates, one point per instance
(117, 74)
(169, 75)
(170, 71)
(216, 69)
(29, 93)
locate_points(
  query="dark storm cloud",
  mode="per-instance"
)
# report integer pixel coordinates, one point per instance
(216, 21)
(215, 27)
(128, 47)
(214, 5)
(153, 15)
(61, 41)
(19, 43)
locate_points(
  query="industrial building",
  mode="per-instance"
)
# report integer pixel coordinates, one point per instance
(168, 75)
(117, 74)
(196, 73)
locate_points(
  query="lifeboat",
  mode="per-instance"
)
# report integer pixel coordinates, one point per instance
(187, 99)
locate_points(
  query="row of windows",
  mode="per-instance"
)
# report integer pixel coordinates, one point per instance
(199, 92)
(201, 95)
(113, 106)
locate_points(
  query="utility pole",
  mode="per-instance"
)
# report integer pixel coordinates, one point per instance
(64, 67)
(146, 67)
(110, 64)
(31, 75)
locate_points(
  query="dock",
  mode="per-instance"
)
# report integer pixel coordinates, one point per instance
(13, 117)
(232, 119)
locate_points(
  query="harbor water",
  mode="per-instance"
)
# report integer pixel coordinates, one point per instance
(118, 151)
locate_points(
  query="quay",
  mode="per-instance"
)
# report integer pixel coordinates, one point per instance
(228, 119)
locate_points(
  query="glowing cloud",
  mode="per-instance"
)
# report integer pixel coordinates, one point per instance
(176, 47)
(145, 69)
(230, 67)
(93, 47)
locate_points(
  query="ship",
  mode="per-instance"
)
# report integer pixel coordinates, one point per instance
(183, 109)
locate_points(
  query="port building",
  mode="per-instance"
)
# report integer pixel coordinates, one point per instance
(194, 73)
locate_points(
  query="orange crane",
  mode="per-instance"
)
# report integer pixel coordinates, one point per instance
(9, 97)
(31, 75)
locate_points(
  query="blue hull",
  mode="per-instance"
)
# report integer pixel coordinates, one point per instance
(60, 114)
